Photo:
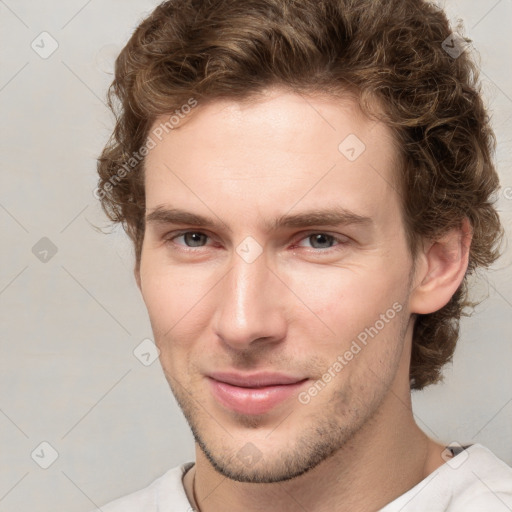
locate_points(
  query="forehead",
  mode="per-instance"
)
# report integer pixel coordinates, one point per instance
(273, 151)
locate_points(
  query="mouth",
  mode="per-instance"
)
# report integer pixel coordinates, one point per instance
(254, 393)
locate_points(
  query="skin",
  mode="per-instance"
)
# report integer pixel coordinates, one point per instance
(294, 309)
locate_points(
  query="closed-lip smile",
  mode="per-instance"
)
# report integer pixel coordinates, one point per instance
(254, 393)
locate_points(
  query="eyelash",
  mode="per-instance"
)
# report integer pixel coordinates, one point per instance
(339, 240)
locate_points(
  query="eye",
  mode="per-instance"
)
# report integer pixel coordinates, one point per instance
(191, 239)
(320, 241)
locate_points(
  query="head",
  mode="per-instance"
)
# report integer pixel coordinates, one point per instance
(301, 181)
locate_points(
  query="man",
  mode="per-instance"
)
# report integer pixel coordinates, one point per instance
(308, 185)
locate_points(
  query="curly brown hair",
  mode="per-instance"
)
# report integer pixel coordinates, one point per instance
(394, 51)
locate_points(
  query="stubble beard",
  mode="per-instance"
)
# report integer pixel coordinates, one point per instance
(319, 438)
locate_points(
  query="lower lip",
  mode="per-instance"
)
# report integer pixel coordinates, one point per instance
(252, 400)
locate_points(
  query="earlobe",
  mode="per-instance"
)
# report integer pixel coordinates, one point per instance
(441, 270)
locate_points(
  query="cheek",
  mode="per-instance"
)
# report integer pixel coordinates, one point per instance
(178, 312)
(177, 301)
(347, 299)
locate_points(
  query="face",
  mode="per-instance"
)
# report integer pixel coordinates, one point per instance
(275, 271)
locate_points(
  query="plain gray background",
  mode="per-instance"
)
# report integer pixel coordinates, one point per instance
(70, 321)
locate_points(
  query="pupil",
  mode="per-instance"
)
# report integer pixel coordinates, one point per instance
(194, 239)
(321, 241)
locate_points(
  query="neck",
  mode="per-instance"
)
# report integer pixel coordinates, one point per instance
(372, 469)
(385, 458)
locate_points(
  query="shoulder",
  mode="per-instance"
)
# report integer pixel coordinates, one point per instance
(161, 494)
(486, 481)
(475, 480)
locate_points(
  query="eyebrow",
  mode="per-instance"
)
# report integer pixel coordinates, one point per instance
(319, 217)
(163, 215)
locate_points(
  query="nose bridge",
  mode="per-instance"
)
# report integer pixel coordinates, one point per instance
(247, 309)
(248, 281)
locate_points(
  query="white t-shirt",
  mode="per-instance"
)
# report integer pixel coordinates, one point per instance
(475, 480)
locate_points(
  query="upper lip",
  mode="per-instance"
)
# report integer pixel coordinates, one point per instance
(255, 380)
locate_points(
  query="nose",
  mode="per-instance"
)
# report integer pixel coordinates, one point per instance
(251, 306)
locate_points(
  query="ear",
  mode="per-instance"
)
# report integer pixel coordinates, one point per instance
(440, 269)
